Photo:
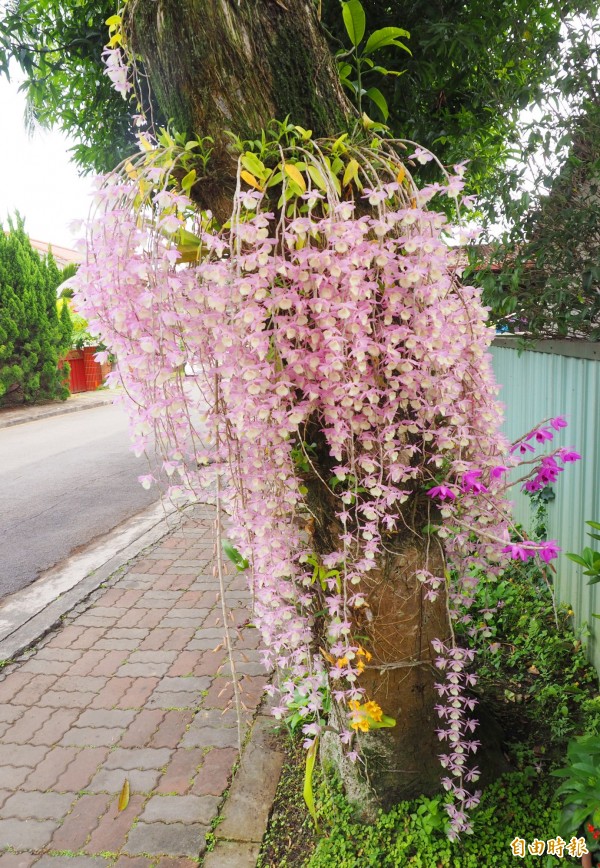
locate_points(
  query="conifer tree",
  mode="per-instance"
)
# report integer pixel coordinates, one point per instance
(32, 336)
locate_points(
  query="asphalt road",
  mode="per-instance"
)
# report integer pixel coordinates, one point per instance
(64, 481)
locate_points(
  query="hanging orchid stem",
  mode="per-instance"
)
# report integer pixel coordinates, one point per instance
(222, 590)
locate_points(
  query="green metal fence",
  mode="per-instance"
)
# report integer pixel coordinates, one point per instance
(560, 378)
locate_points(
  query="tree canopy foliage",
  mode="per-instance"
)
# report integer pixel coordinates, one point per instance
(472, 70)
(472, 67)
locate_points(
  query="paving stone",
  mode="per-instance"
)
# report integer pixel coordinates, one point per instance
(180, 772)
(180, 699)
(82, 820)
(232, 854)
(198, 663)
(200, 642)
(190, 622)
(215, 772)
(135, 862)
(128, 633)
(106, 718)
(139, 670)
(179, 638)
(89, 619)
(168, 839)
(211, 737)
(21, 755)
(114, 826)
(137, 693)
(43, 666)
(151, 657)
(251, 794)
(26, 835)
(171, 729)
(50, 653)
(147, 618)
(122, 644)
(48, 771)
(37, 685)
(16, 776)
(89, 637)
(65, 637)
(183, 809)
(61, 720)
(112, 780)
(169, 862)
(31, 721)
(81, 770)
(192, 684)
(220, 694)
(79, 683)
(66, 699)
(111, 693)
(10, 713)
(72, 862)
(210, 632)
(138, 758)
(181, 613)
(141, 731)
(17, 860)
(243, 667)
(38, 806)
(156, 640)
(100, 611)
(91, 736)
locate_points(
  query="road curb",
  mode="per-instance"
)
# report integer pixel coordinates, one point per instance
(247, 807)
(29, 614)
(33, 414)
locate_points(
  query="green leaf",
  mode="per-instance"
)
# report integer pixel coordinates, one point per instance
(292, 171)
(237, 559)
(317, 177)
(385, 723)
(308, 776)
(344, 70)
(386, 36)
(251, 162)
(351, 172)
(577, 559)
(188, 181)
(354, 20)
(380, 101)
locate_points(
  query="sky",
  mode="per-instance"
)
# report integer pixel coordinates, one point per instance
(36, 177)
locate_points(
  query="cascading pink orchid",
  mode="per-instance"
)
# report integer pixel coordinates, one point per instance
(355, 322)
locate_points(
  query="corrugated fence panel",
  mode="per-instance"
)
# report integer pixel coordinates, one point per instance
(535, 386)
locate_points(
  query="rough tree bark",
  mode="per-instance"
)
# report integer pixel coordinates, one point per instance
(218, 65)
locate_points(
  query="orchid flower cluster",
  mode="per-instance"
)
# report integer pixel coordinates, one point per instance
(332, 319)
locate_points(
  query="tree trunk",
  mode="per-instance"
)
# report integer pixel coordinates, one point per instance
(234, 65)
(218, 65)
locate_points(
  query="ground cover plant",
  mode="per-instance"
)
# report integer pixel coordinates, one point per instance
(536, 682)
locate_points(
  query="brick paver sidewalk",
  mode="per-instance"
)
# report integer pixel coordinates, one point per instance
(133, 685)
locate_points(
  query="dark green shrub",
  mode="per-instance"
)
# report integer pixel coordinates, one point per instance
(32, 335)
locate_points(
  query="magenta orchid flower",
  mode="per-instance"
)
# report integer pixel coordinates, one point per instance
(442, 492)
